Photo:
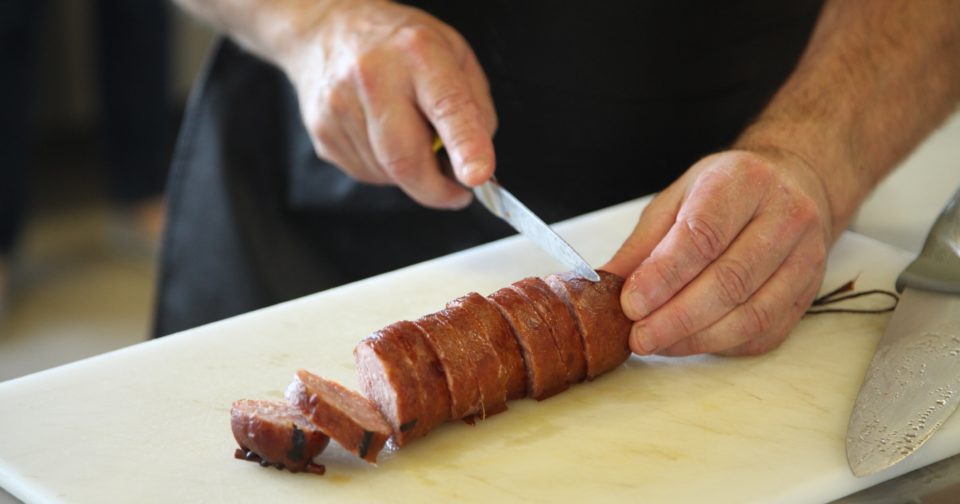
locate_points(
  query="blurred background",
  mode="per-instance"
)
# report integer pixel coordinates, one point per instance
(92, 95)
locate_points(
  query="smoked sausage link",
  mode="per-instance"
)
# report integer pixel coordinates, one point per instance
(534, 338)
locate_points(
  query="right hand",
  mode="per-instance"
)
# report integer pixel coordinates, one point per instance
(375, 79)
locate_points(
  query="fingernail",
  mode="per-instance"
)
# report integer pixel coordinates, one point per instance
(471, 171)
(636, 305)
(641, 340)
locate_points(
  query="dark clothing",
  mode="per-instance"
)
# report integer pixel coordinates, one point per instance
(18, 48)
(596, 106)
(134, 86)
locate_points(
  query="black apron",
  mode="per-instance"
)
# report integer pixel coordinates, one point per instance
(596, 105)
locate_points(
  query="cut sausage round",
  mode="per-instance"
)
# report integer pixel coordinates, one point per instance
(558, 318)
(546, 374)
(454, 357)
(346, 416)
(491, 377)
(278, 433)
(387, 377)
(498, 331)
(596, 308)
(434, 396)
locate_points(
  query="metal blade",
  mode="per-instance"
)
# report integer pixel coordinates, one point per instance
(504, 205)
(912, 385)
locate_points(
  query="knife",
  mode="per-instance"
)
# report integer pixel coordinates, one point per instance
(913, 383)
(505, 205)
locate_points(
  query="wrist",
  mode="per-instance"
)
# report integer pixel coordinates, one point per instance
(814, 150)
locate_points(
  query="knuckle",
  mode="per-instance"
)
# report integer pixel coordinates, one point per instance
(336, 103)
(756, 168)
(820, 252)
(416, 39)
(324, 137)
(706, 236)
(735, 281)
(806, 213)
(805, 299)
(401, 167)
(694, 345)
(365, 72)
(757, 321)
(666, 273)
(452, 102)
(763, 345)
(681, 321)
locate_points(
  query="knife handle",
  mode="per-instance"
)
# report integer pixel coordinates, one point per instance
(937, 268)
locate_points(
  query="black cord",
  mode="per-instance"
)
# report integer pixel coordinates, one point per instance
(843, 293)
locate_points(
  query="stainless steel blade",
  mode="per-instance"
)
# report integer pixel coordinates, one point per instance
(912, 385)
(915, 373)
(504, 205)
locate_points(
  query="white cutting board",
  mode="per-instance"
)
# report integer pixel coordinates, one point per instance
(150, 422)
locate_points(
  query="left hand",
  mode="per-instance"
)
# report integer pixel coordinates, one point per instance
(728, 258)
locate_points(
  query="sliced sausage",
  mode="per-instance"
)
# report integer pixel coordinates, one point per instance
(454, 357)
(346, 416)
(596, 308)
(434, 395)
(498, 331)
(277, 433)
(558, 318)
(491, 377)
(387, 377)
(546, 374)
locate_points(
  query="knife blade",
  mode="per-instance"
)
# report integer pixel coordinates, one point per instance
(913, 383)
(505, 205)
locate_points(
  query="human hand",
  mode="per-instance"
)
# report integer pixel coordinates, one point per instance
(375, 79)
(728, 258)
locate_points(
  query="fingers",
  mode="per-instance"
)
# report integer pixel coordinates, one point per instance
(737, 266)
(401, 143)
(719, 205)
(333, 142)
(354, 125)
(479, 86)
(655, 220)
(396, 78)
(447, 97)
(765, 319)
(727, 283)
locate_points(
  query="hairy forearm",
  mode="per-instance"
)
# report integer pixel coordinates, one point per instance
(272, 29)
(876, 78)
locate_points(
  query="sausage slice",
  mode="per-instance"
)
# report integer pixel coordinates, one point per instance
(500, 334)
(344, 415)
(558, 318)
(434, 395)
(546, 374)
(491, 377)
(596, 308)
(277, 433)
(454, 357)
(388, 378)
